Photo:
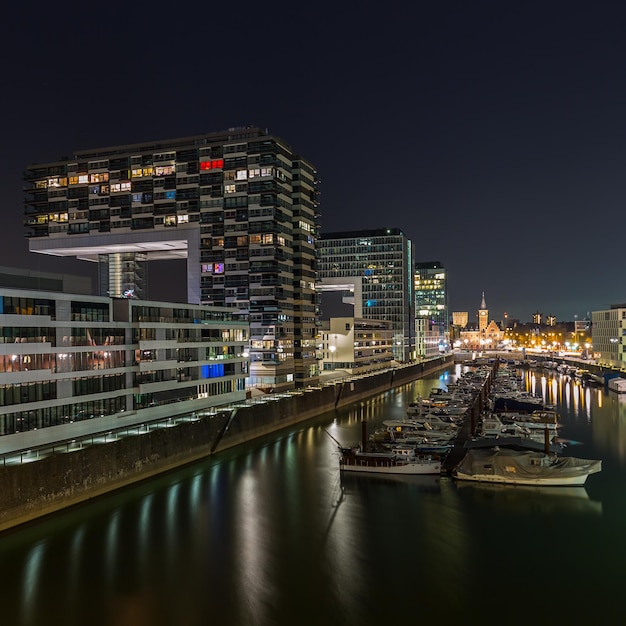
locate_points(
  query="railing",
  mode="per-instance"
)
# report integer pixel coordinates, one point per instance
(63, 446)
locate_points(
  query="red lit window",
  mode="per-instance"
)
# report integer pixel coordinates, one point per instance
(209, 165)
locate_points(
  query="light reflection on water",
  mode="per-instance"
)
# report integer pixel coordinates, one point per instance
(272, 534)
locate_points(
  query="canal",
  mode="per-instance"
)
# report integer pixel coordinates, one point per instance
(271, 534)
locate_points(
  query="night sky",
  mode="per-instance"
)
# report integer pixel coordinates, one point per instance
(492, 134)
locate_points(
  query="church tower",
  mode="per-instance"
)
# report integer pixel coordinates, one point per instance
(483, 316)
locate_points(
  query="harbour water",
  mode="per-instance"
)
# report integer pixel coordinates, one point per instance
(271, 534)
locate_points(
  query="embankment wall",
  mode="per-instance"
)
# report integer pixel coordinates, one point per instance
(31, 490)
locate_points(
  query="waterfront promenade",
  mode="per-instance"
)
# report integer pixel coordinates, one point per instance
(69, 464)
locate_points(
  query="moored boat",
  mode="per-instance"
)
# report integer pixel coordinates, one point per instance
(501, 465)
(394, 462)
(401, 460)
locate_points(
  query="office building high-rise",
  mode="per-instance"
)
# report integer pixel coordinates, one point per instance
(431, 300)
(239, 205)
(373, 269)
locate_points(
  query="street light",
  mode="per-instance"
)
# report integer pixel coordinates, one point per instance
(613, 341)
(332, 357)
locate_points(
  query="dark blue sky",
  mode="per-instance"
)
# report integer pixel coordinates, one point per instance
(493, 135)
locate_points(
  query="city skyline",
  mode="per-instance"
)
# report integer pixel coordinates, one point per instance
(490, 138)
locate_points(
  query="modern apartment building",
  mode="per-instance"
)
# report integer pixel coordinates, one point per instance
(354, 345)
(66, 358)
(431, 301)
(374, 271)
(608, 336)
(239, 205)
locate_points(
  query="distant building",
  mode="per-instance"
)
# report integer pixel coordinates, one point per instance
(374, 271)
(484, 335)
(356, 345)
(67, 358)
(427, 340)
(608, 333)
(460, 318)
(431, 301)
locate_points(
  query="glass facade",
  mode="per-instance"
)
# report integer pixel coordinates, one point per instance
(374, 269)
(431, 300)
(66, 360)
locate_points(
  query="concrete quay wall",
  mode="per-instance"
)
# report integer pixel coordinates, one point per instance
(31, 490)
(255, 421)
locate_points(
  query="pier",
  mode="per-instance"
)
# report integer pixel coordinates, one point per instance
(468, 428)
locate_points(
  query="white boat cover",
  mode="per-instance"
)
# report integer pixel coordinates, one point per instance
(521, 466)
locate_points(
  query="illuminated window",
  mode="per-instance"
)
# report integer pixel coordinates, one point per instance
(254, 173)
(99, 178)
(83, 178)
(255, 238)
(212, 165)
(41, 184)
(73, 180)
(218, 268)
(164, 170)
(183, 219)
(241, 175)
(125, 186)
(266, 171)
(170, 220)
(268, 238)
(229, 189)
(170, 195)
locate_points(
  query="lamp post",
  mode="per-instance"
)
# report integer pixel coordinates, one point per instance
(613, 341)
(332, 357)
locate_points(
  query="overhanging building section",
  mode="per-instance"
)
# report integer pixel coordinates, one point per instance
(179, 243)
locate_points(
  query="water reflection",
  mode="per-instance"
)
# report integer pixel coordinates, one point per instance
(581, 406)
(527, 499)
(272, 534)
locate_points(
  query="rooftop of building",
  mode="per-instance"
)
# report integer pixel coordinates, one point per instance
(351, 234)
(242, 133)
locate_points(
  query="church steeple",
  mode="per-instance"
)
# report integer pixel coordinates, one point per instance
(483, 316)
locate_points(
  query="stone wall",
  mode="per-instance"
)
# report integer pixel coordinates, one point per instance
(31, 490)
